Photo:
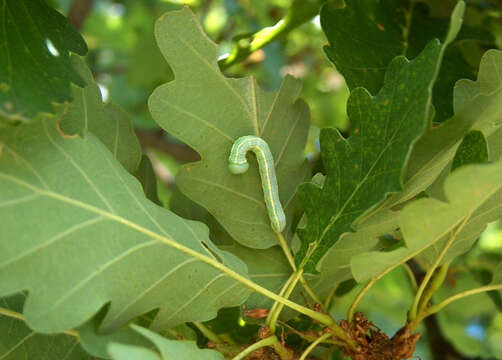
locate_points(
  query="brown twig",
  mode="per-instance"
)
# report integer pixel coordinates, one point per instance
(79, 11)
(156, 140)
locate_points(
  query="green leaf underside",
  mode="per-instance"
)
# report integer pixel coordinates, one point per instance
(18, 341)
(490, 211)
(469, 190)
(96, 342)
(335, 266)
(167, 349)
(364, 168)
(209, 112)
(456, 317)
(477, 104)
(268, 268)
(488, 91)
(31, 78)
(86, 236)
(472, 150)
(87, 113)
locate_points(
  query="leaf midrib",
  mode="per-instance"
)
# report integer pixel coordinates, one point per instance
(358, 186)
(114, 217)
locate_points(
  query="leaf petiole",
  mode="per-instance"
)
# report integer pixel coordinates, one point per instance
(413, 313)
(16, 315)
(287, 253)
(274, 313)
(322, 318)
(207, 332)
(313, 345)
(433, 286)
(364, 290)
(435, 308)
(271, 340)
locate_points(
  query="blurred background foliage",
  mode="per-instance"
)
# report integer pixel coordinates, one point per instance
(127, 65)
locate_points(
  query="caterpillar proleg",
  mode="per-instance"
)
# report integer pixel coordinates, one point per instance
(238, 164)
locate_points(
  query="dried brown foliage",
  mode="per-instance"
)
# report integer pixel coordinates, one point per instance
(373, 344)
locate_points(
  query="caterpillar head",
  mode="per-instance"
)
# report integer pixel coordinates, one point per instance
(238, 168)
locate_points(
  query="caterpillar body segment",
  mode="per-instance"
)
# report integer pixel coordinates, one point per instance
(238, 164)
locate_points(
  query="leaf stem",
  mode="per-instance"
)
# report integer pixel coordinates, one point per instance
(309, 291)
(412, 314)
(275, 311)
(411, 276)
(350, 313)
(433, 286)
(435, 308)
(313, 345)
(207, 332)
(291, 260)
(300, 12)
(286, 251)
(16, 315)
(364, 290)
(285, 287)
(322, 318)
(329, 298)
(274, 314)
(259, 344)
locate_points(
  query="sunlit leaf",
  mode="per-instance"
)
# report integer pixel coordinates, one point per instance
(87, 236)
(209, 112)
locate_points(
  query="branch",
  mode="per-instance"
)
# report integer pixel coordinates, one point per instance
(79, 11)
(299, 13)
(435, 308)
(156, 140)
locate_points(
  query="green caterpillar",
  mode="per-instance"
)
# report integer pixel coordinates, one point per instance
(239, 165)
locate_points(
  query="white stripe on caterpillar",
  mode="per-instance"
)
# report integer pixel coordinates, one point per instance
(238, 165)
